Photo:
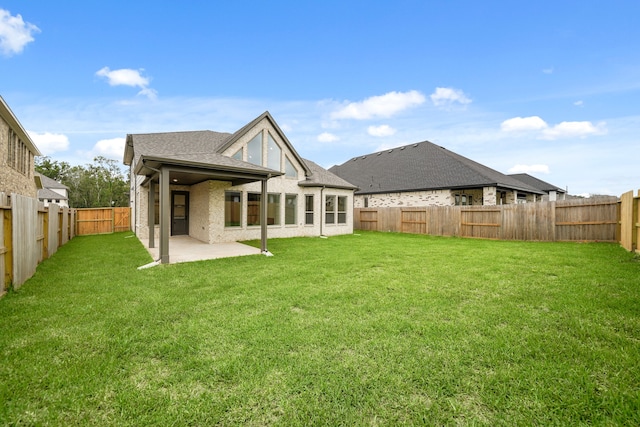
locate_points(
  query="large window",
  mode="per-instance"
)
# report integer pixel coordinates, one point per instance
(273, 209)
(273, 153)
(253, 209)
(232, 209)
(330, 210)
(254, 150)
(290, 203)
(342, 210)
(238, 155)
(308, 209)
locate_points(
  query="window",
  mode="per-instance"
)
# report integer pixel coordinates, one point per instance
(289, 170)
(273, 153)
(342, 209)
(253, 209)
(238, 155)
(366, 202)
(330, 210)
(308, 209)
(463, 200)
(254, 150)
(290, 203)
(232, 208)
(273, 209)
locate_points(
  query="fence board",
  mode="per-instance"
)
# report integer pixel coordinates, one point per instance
(25, 247)
(5, 241)
(627, 221)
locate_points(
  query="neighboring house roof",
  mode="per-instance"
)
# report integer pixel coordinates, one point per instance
(50, 183)
(537, 183)
(47, 187)
(421, 166)
(46, 194)
(12, 120)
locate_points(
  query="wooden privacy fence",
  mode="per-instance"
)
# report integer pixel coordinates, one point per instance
(630, 221)
(31, 233)
(102, 220)
(569, 220)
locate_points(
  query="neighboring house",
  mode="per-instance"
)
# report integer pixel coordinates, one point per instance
(221, 187)
(17, 155)
(552, 193)
(51, 191)
(425, 174)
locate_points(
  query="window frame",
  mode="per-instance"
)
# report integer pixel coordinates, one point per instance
(226, 216)
(288, 206)
(308, 213)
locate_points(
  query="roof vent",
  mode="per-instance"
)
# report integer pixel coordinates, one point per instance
(402, 148)
(415, 145)
(379, 153)
(390, 151)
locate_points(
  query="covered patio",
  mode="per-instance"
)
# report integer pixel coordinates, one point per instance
(189, 170)
(188, 249)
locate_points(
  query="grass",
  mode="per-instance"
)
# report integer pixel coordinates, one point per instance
(367, 329)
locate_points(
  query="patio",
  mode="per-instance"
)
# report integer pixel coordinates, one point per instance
(188, 249)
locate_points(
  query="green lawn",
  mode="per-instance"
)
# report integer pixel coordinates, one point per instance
(365, 329)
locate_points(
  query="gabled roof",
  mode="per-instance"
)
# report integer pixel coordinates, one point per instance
(537, 183)
(203, 150)
(421, 166)
(266, 115)
(12, 120)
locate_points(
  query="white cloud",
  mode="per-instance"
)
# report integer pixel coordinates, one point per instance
(447, 96)
(561, 130)
(382, 130)
(111, 148)
(573, 130)
(49, 143)
(579, 103)
(380, 106)
(548, 70)
(128, 77)
(529, 169)
(15, 34)
(520, 124)
(327, 137)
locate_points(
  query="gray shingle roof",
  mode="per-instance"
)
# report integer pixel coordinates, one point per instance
(421, 166)
(321, 177)
(45, 193)
(205, 147)
(50, 183)
(535, 182)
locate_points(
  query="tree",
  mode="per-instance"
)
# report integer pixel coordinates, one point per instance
(99, 184)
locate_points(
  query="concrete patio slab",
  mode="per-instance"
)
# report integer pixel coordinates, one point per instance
(187, 249)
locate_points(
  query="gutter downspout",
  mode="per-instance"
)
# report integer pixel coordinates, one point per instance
(321, 213)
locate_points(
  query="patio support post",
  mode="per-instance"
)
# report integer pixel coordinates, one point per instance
(263, 218)
(151, 220)
(165, 215)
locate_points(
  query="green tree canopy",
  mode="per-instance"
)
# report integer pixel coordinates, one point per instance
(99, 184)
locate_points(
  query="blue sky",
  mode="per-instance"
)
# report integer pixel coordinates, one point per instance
(548, 88)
